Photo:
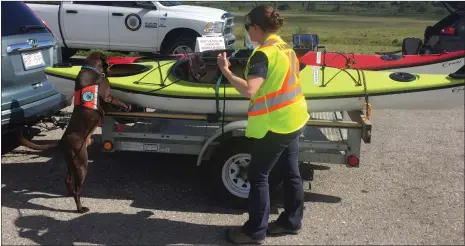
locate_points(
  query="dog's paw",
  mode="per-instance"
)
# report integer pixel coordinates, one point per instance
(90, 141)
(83, 210)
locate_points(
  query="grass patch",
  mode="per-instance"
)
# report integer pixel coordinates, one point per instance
(340, 33)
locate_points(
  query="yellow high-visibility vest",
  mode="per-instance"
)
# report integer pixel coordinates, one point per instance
(279, 104)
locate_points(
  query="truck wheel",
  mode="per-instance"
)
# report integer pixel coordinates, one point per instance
(230, 165)
(180, 46)
(67, 53)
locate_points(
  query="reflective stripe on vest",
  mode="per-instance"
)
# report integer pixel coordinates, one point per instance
(277, 102)
(289, 92)
(269, 42)
(87, 97)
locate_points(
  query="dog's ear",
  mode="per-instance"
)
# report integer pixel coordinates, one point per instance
(103, 58)
(105, 65)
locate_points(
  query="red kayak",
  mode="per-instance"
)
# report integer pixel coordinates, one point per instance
(440, 51)
(122, 59)
(133, 59)
(444, 63)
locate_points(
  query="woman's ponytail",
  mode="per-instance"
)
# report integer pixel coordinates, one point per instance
(266, 18)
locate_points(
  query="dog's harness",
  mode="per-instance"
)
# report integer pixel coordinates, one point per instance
(87, 97)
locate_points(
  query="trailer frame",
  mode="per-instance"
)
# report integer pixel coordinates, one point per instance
(330, 137)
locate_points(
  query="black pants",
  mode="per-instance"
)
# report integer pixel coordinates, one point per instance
(281, 150)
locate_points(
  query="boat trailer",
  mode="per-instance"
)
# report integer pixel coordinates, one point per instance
(329, 137)
(221, 145)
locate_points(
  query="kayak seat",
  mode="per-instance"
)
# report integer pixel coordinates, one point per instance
(411, 46)
(122, 70)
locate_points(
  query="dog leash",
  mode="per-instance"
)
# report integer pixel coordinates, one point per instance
(218, 81)
(217, 92)
(102, 75)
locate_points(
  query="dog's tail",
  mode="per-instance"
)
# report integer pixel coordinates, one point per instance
(24, 142)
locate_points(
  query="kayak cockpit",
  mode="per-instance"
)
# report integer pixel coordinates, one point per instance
(203, 68)
(130, 69)
(116, 70)
(197, 69)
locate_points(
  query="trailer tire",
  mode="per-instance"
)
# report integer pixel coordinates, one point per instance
(229, 167)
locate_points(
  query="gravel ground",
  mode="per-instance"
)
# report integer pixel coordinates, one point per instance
(409, 189)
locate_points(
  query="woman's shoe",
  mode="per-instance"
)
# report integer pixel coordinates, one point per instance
(236, 236)
(275, 229)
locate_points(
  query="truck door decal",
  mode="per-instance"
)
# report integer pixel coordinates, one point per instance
(133, 22)
(149, 24)
(162, 22)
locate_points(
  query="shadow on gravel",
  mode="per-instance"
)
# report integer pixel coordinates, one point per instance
(177, 185)
(116, 229)
(10, 143)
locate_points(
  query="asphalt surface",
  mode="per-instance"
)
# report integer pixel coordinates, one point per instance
(408, 190)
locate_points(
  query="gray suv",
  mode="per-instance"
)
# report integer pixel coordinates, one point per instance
(28, 47)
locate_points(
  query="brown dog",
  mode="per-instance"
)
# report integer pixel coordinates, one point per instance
(92, 92)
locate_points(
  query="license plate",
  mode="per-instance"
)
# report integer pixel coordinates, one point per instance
(33, 60)
(131, 146)
(151, 147)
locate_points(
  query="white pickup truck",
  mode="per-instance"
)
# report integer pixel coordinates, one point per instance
(141, 26)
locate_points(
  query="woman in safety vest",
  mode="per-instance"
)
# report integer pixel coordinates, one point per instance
(277, 115)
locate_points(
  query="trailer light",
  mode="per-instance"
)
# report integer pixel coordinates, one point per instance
(353, 160)
(107, 145)
(119, 127)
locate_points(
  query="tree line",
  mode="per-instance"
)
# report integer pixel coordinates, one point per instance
(374, 7)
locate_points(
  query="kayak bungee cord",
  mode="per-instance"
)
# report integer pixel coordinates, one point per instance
(357, 82)
(161, 76)
(218, 82)
(360, 81)
(323, 66)
(349, 61)
(367, 103)
(162, 86)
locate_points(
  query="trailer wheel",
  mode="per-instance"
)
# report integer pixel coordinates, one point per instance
(230, 166)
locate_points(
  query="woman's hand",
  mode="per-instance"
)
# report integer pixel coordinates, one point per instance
(128, 107)
(223, 62)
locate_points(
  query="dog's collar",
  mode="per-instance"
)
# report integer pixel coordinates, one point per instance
(93, 68)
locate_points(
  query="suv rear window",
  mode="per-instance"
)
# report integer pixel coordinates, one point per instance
(16, 16)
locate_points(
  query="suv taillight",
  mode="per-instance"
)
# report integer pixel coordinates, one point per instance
(448, 31)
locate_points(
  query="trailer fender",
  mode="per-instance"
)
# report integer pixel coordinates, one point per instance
(236, 125)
